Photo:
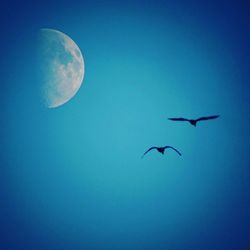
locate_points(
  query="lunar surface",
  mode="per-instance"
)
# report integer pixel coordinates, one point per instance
(62, 67)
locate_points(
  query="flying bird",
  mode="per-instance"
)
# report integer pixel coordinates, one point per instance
(161, 150)
(192, 121)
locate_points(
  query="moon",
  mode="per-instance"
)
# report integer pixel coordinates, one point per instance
(62, 67)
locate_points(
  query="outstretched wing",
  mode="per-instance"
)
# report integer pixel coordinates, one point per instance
(178, 152)
(178, 119)
(207, 118)
(148, 151)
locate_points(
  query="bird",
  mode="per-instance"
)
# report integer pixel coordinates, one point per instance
(161, 150)
(194, 121)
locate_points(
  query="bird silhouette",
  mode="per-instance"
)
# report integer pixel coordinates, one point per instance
(194, 121)
(161, 150)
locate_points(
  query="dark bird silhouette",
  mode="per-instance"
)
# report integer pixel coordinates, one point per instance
(161, 150)
(192, 121)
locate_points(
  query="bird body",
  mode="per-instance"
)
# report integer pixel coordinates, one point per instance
(194, 121)
(161, 150)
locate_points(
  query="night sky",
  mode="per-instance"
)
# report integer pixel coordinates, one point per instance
(72, 177)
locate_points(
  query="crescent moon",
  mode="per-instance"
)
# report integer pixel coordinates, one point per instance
(62, 67)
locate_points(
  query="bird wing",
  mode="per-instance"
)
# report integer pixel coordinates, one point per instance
(207, 118)
(178, 119)
(148, 151)
(178, 152)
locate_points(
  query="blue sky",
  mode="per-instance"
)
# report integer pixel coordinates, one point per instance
(73, 177)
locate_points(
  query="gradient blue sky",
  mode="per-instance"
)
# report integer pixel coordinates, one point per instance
(72, 177)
